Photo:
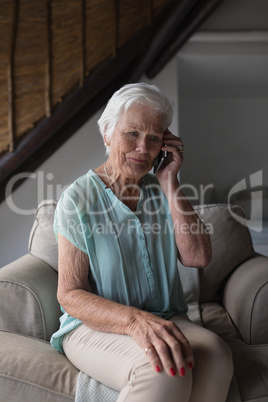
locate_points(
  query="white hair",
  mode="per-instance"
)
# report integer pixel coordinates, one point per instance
(126, 96)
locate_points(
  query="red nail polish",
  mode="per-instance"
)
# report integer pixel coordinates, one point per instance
(172, 372)
(190, 365)
(157, 369)
(182, 371)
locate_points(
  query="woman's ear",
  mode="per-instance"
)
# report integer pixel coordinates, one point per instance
(104, 136)
(105, 140)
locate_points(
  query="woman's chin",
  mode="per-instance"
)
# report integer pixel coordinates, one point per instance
(139, 170)
(139, 164)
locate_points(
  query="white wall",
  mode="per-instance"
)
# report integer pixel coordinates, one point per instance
(227, 141)
(80, 153)
(223, 103)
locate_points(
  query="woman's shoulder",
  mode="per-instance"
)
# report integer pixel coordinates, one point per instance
(84, 191)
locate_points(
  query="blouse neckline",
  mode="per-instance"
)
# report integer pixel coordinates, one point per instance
(115, 199)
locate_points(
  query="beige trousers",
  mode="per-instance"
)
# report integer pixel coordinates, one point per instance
(118, 362)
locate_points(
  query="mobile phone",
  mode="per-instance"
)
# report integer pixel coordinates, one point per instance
(159, 160)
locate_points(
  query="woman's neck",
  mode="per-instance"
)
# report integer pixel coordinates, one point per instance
(126, 189)
(118, 178)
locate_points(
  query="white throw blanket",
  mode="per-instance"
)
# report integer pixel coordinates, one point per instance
(90, 390)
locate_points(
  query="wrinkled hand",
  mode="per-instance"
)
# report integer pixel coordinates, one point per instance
(172, 164)
(167, 347)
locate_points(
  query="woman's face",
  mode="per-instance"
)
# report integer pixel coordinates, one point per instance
(136, 140)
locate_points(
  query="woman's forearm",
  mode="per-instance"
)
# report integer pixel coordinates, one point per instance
(192, 237)
(76, 297)
(99, 313)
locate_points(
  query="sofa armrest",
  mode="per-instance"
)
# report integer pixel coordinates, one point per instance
(28, 298)
(246, 299)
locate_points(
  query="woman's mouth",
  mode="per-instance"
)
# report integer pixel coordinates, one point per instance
(137, 160)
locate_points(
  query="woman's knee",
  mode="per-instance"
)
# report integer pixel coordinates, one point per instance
(214, 353)
(213, 370)
(221, 352)
(146, 384)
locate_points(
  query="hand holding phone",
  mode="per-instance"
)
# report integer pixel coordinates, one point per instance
(159, 161)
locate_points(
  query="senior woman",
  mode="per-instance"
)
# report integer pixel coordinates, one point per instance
(120, 230)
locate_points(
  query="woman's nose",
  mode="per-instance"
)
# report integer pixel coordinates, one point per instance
(142, 145)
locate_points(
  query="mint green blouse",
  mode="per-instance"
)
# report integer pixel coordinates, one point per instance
(132, 255)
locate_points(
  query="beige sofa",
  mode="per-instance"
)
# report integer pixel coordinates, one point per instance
(230, 296)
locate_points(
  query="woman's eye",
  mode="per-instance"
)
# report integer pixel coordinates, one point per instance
(155, 139)
(133, 133)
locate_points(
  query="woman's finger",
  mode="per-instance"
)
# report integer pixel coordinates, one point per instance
(173, 155)
(182, 356)
(175, 351)
(185, 346)
(167, 359)
(171, 355)
(165, 345)
(162, 356)
(168, 136)
(154, 358)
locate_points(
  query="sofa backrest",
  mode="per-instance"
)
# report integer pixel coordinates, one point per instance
(231, 245)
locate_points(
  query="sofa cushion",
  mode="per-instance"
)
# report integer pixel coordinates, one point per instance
(231, 245)
(30, 370)
(216, 319)
(28, 298)
(42, 242)
(250, 361)
(246, 299)
(251, 370)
